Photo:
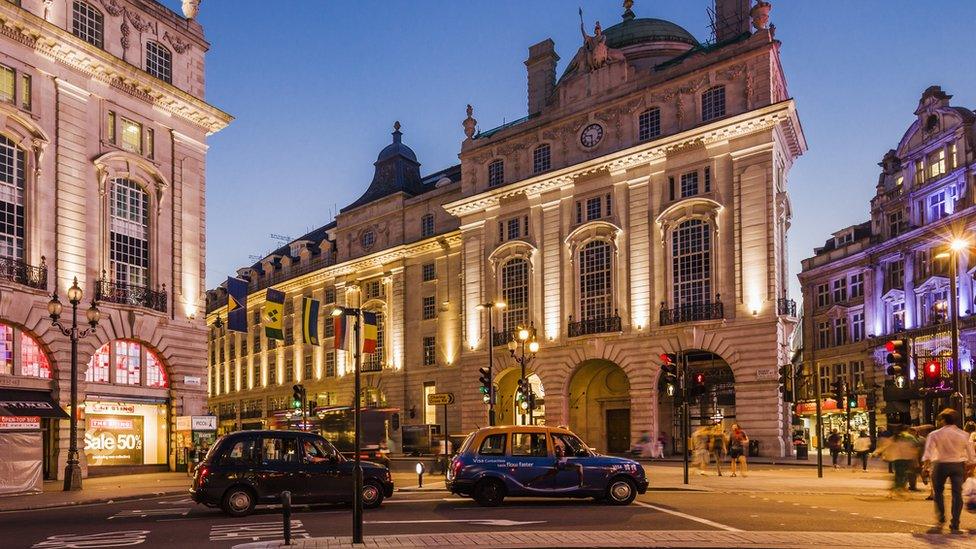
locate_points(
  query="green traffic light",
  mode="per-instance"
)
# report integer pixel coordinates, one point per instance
(296, 404)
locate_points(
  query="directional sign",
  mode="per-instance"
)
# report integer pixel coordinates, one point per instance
(440, 399)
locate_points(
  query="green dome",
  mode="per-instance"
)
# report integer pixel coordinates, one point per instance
(639, 31)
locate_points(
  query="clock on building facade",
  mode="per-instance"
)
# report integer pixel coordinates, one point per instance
(591, 136)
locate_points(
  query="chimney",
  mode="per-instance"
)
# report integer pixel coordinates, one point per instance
(731, 18)
(541, 68)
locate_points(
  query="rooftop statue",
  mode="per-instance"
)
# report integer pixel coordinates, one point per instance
(595, 53)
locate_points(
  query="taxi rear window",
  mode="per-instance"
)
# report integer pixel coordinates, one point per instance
(493, 445)
(529, 444)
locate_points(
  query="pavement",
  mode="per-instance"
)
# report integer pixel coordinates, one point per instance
(100, 490)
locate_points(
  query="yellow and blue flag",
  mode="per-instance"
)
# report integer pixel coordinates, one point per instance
(310, 321)
(236, 304)
(274, 314)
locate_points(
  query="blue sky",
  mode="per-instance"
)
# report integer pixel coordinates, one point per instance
(315, 86)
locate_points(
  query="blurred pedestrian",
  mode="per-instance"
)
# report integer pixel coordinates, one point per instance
(717, 442)
(862, 447)
(900, 450)
(644, 445)
(971, 431)
(833, 444)
(952, 458)
(699, 445)
(738, 443)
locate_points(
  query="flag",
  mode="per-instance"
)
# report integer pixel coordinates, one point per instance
(274, 314)
(344, 335)
(236, 304)
(310, 321)
(369, 332)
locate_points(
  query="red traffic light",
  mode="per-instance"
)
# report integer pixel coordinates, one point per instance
(932, 368)
(890, 346)
(700, 378)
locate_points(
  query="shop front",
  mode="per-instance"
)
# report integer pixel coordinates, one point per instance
(125, 434)
(22, 443)
(834, 418)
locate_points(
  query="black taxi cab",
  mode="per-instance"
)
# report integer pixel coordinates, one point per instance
(495, 462)
(248, 468)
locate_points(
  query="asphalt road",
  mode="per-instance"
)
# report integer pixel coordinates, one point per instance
(175, 521)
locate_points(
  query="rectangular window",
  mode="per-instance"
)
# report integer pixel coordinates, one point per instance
(150, 143)
(529, 444)
(330, 364)
(609, 203)
(593, 209)
(430, 352)
(328, 327)
(110, 129)
(496, 173)
(86, 23)
(26, 91)
(825, 379)
(307, 367)
(512, 228)
(942, 203)
(823, 334)
(8, 85)
(840, 331)
(840, 290)
(159, 61)
(713, 103)
(428, 272)
(953, 156)
(430, 410)
(689, 184)
(429, 308)
(708, 180)
(897, 317)
(541, 159)
(896, 223)
(279, 450)
(427, 225)
(289, 370)
(857, 285)
(329, 295)
(823, 295)
(919, 172)
(272, 371)
(579, 212)
(649, 124)
(374, 290)
(131, 136)
(857, 372)
(895, 274)
(671, 188)
(128, 363)
(936, 161)
(840, 371)
(857, 327)
(493, 445)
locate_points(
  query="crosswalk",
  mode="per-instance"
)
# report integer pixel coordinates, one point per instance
(143, 513)
(256, 531)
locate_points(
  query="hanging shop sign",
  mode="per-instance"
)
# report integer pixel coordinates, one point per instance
(22, 423)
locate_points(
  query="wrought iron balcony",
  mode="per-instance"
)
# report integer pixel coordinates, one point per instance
(786, 306)
(501, 338)
(17, 271)
(692, 312)
(126, 294)
(371, 365)
(599, 325)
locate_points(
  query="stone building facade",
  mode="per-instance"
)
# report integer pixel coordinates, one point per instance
(640, 208)
(103, 132)
(888, 278)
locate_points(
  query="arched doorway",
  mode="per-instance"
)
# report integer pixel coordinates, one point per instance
(711, 397)
(599, 405)
(509, 409)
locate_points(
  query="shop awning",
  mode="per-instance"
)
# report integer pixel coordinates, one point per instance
(20, 403)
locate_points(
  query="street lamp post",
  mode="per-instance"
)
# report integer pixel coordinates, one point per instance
(958, 396)
(357, 475)
(491, 347)
(72, 470)
(526, 337)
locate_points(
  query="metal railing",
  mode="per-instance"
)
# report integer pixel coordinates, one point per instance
(501, 338)
(371, 366)
(17, 271)
(598, 325)
(786, 306)
(126, 294)
(692, 312)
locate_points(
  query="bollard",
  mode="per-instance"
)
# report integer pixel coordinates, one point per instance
(286, 515)
(420, 475)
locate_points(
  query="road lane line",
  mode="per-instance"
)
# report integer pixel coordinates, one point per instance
(689, 517)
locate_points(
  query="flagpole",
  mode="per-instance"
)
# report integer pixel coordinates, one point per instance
(357, 508)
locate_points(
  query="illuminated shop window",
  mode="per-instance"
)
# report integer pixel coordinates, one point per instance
(26, 359)
(134, 364)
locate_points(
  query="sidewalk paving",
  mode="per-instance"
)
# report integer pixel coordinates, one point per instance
(100, 490)
(636, 538)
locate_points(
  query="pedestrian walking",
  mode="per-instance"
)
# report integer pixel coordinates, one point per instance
(900, 450)
(952, 458)
(717, 443)
(738, 443)
(699, 444)
(862, 447)
(833, 444)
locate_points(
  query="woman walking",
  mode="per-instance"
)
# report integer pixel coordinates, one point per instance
(833, 444)
(862, 447)
(737, 445)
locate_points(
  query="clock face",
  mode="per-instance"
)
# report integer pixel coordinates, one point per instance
(591, 136)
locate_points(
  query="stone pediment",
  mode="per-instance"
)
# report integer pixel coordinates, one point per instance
(934, 282)
(893, 295)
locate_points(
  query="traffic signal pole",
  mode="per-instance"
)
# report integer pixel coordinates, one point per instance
(958, 395)
(817, 397)
(491, 379)
(685, 416)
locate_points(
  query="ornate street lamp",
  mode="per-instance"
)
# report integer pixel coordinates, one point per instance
(490, 306)
(357, 470)
(523, 348)
(72, 470)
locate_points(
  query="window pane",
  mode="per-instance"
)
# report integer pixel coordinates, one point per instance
(86, 23)
(529, 444)
(596, 298)
(540, 159)
(131, 136)
(98, 366)
(280, 449)
(7, 84)
(713, 103)
(6, 349)
(649, 124)
(128, 362)
(493, 445)
(155, 375)
(11, 200)
(496, 173)
(159, 61)
(26, 89)
(129, 236)
(33, 361)
(691, 263)
(515, 293)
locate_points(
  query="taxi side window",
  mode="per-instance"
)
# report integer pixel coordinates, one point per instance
(493, 445)
(571, 445)
(280, 449)
(529, 444)
(243, 451)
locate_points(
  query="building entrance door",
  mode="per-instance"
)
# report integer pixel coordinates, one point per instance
(618, 431)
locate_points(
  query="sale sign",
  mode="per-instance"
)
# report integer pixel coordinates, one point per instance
(114, 440)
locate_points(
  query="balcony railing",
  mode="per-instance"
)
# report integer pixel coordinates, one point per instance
(126, 294)
(17, 271)
(599, 325)
(786, 306)
(501, 338)
(693, 312)
(371, 366)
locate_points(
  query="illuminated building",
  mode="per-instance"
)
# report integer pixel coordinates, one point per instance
(102, 151)
(640, 208)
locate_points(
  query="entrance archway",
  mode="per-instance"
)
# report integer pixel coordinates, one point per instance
(711, 397)
(508, 408)
(599, 405)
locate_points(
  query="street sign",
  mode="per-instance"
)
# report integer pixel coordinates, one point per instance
(766, 373)
(440, 399)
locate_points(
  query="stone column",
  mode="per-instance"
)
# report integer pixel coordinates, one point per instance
(911, 320)
(877, 300)
(551, 266)
(965, 285)
(640, 254)
(395, 309)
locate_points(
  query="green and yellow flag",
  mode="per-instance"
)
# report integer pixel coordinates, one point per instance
(310, 321)
(274, 314)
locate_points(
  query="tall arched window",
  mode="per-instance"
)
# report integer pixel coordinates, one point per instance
(691, 263)
(11, 200)
(86, 23)
(126, 362)
(129, 233)
(21, 355)
(713, 103)
(515, 293)
(596, 280)
(159, 61)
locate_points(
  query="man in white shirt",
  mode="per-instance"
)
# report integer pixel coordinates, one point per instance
(952, 457)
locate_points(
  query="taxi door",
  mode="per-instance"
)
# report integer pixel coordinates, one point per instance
(573, 470)
(532, 466)
(324, 479)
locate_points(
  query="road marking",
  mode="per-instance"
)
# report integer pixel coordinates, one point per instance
(479, 522)
(143, 513)
(182, 501)
(256, 531)
(689, 517)
(102, 539)
(387, 501)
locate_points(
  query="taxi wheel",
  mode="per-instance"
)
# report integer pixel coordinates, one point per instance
(372, 495)
(238, 501)
(489, 492)
(621, 491)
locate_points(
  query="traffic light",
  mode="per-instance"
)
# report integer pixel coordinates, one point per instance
(312, 405)
(851, 401)
(485, 380)
(897, 357)
(786, 382)
(667, 383)
(297, 396)
(839, 391)
(932, 371)
(698, 384)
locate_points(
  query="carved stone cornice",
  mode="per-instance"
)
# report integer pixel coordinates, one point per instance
(66, 49)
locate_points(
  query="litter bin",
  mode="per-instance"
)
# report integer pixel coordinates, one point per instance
(753, 448)
(802, 451)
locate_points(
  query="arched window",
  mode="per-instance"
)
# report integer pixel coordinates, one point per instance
(496, 173)
(159, 61)
(126, 362)
(691, 263)
(373, 362)
(541, 159)
(649, 124)
(86, 23)
(713, 103)
(21, 355)
(427, 225)
(515, 293)
(595, 280)
(129, 234)
(11, 200)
